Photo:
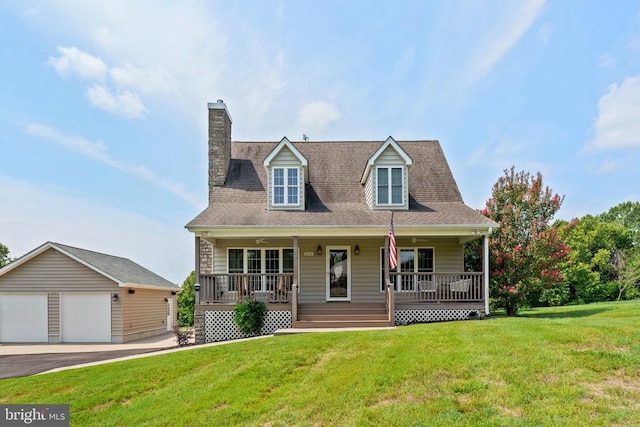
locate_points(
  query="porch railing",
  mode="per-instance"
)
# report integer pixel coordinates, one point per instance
(438, 287)
(277, 287)
(235, 288)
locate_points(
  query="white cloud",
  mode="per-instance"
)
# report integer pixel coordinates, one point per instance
(145, 81)
(76, 61)
(40, 214)
(618, 123)
(508, 30)
(96, 150)
(123, 103)
(315, 117)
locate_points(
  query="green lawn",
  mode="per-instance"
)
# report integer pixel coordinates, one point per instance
(569, 366)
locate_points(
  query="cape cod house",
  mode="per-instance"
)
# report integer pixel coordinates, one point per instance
(305, 226)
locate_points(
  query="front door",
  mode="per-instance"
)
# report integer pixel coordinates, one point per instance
(338, 273)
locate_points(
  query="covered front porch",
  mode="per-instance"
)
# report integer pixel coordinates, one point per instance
(338, 281)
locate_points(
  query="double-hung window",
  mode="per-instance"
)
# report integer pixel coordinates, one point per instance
(390, 188)
(262, 269)
(414, 265)
(286, 186)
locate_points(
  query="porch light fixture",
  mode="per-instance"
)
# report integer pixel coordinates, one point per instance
(166, 300)
(132, 291)
(173, 292)
(319, 250)
(357, 250)
(115, 297)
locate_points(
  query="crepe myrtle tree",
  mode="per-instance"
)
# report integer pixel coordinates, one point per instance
(525, 250)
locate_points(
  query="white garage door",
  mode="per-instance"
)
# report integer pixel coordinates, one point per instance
(85, 317)
(23, 317)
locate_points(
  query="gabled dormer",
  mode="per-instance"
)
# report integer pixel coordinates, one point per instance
(286, 177)
(386, 177)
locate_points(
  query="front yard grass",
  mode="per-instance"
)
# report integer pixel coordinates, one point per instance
(575, 365)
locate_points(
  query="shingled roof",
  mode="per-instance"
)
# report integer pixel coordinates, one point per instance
(335, 195)
(122, 270)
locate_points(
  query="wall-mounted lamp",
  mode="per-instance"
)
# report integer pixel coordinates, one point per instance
(166, 300)
(319, 250)
(173, 292)
(357, 250)
(115, 297)
(132, 291)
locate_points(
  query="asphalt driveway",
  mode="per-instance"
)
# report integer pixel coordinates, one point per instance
(21, 365)
(19, 360)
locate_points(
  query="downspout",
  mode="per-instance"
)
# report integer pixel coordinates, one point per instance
(485, 269)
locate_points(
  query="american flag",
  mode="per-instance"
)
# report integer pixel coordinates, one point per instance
(393, 253)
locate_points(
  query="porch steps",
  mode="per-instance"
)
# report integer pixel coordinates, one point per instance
(342, 315)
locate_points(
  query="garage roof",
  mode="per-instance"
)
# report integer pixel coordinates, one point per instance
(121, 270)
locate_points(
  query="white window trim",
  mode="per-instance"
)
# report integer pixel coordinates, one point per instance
(389, 202)
(415, 267)
(286, 186)
(263, 260)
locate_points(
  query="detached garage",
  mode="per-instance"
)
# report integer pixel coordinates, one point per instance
(59, 293)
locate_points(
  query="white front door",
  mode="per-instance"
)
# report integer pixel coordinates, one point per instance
(23, 317)
(338, 273)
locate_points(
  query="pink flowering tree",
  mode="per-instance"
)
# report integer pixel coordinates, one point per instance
(525, 249)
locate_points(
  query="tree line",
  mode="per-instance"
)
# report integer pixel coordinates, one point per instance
(535, 260)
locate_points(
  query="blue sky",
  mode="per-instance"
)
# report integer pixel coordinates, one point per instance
(103, 105)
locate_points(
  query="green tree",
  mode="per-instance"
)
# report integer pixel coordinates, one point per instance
(525, 249)
(598, 256)
(4, 256)
(626, 214)
(187, 301)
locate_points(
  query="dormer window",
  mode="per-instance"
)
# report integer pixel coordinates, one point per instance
(390, 186)
(286, 186)
(386, 177)
(287, 174)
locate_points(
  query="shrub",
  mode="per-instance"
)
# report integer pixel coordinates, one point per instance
(183, 336)
(249, 316)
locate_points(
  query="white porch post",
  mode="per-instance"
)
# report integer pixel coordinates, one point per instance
(485, 269)
(294, 287)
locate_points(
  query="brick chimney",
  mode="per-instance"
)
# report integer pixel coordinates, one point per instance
(219, 143)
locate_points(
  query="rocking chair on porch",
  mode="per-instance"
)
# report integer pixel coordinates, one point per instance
(281, 291)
